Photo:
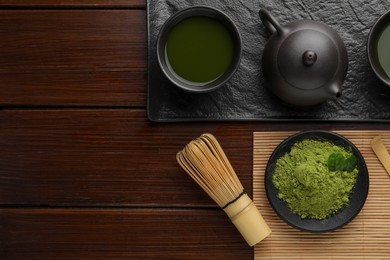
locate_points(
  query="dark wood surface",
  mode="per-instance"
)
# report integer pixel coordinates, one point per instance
(83, 173)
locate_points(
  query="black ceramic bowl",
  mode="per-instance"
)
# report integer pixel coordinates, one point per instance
(191, 12)
(373, 36)
(344, 215)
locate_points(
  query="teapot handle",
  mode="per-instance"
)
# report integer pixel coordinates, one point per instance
(270, 22)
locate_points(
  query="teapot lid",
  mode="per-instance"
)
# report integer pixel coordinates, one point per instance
(308, 58)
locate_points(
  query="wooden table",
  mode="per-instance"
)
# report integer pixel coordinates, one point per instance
(83, 172)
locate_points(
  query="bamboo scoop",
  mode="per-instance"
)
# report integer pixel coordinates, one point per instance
(204, 160)
(380, 150)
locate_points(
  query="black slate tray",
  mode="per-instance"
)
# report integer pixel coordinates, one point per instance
(245, 97)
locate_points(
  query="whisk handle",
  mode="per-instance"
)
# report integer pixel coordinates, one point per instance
(248, 220)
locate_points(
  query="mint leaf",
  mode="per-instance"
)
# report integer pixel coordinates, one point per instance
(350, 163)
(336, 162)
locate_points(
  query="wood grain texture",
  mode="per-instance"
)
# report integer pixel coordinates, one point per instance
(73, 57)
(112, 157)
(119, 234)
(74, 3)
(105, 157)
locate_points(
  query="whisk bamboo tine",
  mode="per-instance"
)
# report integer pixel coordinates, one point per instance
(189, 166)
(205, 161)
(225, 160)
(225, 165)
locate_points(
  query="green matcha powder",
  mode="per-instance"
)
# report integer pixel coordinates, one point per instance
(305, 183)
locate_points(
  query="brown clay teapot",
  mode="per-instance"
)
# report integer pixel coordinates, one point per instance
(304, 62)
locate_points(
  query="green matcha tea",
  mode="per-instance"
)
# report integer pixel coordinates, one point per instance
(383, 50)
(307, 182)
(199, 49)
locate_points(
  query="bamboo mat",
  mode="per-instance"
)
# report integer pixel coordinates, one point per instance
(366, 237)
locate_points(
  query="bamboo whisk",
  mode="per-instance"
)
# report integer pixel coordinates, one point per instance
(204, 160)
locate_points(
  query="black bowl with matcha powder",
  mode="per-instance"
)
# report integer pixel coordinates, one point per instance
(316, 181)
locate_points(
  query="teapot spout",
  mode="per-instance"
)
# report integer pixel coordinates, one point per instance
(334, 92)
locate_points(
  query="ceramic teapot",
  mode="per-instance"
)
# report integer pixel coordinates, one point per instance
(304, 62)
